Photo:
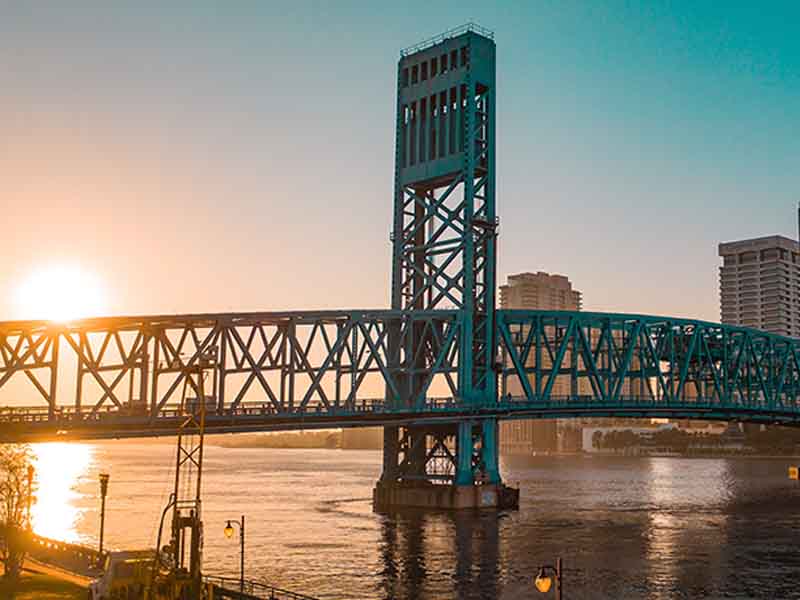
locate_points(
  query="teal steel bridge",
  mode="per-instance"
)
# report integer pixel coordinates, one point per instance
(306, 370)
(436, 370)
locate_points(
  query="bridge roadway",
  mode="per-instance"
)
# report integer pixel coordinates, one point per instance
(306, 370)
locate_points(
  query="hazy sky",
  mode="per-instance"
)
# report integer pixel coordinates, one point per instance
(238, 155)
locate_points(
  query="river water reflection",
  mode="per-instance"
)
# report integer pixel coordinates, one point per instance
(625, 527)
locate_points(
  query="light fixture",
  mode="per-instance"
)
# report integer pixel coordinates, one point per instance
(228, 530)
(543, 582)
(545, 576)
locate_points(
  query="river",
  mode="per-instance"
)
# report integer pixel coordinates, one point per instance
(625, 527)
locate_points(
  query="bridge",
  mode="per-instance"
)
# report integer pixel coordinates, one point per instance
(436, 370)
(307, 370)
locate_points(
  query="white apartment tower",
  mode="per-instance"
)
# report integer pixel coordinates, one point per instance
(759, 284)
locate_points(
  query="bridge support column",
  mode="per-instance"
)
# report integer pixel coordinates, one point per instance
(446, 467)
(391, 447)
(490, 451)
(464, 452)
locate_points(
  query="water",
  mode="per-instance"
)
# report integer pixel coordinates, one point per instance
(625, 527)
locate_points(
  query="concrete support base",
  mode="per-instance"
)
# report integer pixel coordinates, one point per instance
(395, 495)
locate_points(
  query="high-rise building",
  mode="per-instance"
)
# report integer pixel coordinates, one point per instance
(759, 284)
(538, 291)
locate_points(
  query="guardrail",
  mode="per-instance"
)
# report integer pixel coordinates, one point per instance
(229, 587)
(73, 558)
(446, 35)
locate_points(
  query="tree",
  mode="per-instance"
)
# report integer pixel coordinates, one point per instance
(15, 460)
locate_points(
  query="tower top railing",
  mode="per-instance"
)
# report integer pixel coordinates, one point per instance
(450, 33)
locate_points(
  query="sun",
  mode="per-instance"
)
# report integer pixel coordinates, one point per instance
(60, 293)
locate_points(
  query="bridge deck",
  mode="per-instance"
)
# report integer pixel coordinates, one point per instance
(34, 424)
(301, 370)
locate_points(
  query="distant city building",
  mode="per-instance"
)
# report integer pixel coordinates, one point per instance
(539, 291)
(759, 284)
(367, 438)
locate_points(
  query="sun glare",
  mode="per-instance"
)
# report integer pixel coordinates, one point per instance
(59, 468)
(60, 293)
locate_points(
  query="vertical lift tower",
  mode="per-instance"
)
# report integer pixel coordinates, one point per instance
(443, 258)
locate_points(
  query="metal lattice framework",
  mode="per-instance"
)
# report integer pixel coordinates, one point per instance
(444, 232)
(275, 371)
(633, 360)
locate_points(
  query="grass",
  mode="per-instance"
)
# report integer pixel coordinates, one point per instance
(33, 586)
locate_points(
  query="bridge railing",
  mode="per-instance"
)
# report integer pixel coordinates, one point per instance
(229, 587)
(75, 558)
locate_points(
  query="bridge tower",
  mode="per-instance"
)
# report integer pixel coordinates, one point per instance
(443, 258)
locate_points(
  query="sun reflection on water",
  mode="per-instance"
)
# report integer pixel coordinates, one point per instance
(59, 468)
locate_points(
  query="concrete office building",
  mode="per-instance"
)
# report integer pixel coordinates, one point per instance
(539, 291)
(759, 284)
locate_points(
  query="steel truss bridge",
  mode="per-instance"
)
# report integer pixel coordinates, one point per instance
(122, 377)
(439, 368)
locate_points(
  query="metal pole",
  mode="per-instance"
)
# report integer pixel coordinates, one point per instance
(103, 491)
(559, 580)
(241, 557)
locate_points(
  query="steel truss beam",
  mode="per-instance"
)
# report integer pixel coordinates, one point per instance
(275, 371)
(288, 363)
(611, 359)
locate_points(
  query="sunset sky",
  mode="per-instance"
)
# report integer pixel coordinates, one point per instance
(239, 156)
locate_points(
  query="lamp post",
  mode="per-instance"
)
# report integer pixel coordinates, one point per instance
(30, 495)
(229, 534)
(103, 492)
(544, 580)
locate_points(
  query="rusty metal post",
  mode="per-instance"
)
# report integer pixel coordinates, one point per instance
(104, 477)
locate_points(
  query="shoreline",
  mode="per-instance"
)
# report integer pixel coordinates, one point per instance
(542, 455)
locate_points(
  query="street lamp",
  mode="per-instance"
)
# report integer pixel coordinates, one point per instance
(544, 580)
(104, 477)
(229, 534)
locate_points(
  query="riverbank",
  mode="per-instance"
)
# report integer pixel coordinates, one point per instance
(38, 586)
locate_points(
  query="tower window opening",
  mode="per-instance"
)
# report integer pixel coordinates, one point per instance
(434, 64)
(443, 63)
(454, 59)
(452, 126)
(412, 159)
(464, 56)
(432, 142)
(404, 77)
(424, 75)
(414, 74)
(423, 116)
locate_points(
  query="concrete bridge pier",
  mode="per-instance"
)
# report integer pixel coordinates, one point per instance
(450, 467)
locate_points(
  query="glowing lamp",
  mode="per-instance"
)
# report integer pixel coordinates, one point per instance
(228, 530)
(543, 582)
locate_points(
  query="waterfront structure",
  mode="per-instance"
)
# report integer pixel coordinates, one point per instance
(443, 257)
(439, 353)
(759, 284)
(539, 291)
